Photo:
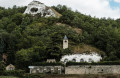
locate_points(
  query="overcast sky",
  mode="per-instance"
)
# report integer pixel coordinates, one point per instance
(97, 8)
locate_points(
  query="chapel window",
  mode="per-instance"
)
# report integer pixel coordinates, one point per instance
(90, 60)
(65, 41)
(66, 60)
(73, 60)
(82, 60)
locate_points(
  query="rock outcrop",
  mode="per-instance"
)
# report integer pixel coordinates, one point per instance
(36, 7)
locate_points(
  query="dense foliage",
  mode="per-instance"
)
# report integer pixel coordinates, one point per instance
(27, 39)
(102, 33)
(2, 66)
(34, 76)
(47, 64)
(16, 73)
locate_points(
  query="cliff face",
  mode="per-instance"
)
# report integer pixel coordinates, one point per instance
(36, 7)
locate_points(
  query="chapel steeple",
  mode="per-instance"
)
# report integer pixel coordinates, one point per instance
(65, 42)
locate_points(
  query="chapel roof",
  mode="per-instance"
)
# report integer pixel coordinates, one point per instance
(65, 37)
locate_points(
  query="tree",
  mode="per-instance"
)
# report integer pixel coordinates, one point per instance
(23, 58)
(53, 52)
(17, 18)
(2, 66)
(67, 17)
(26, 57)
(66, 51)
(11, 27)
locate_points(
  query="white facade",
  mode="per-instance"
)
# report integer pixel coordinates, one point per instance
(92, 57)
(36, 7)
(65, 42)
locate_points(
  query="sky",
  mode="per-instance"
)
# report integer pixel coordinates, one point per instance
(95, 8)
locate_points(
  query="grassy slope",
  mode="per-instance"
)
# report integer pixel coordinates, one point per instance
(58, 14)
(80, 47)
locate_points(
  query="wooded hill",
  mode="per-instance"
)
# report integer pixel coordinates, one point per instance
(27, 39)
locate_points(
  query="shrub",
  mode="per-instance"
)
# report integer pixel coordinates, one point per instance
(46, 64)
(33, 76)
(2, 66)
(77, 63)
(94, 63)
(18, 73)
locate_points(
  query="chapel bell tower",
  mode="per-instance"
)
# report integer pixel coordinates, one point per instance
(65, 42)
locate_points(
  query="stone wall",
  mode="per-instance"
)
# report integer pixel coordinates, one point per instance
(82, 76)
(93, 69)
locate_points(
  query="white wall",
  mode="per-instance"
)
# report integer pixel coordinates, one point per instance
(65, 44)
(78, 57)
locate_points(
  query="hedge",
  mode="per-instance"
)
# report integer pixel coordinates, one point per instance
(33, 76)
(94, 63)
(21, 74)
(47, 64)
(18, 73)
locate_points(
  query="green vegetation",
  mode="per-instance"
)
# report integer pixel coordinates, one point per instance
(34, 76)
(2, 66)
(16, 73)
(102, 33)
(94, 63)
(27, 39)
(7, 77)
(47, 64)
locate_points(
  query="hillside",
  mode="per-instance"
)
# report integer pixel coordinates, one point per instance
(80, 47)
(26, 39)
